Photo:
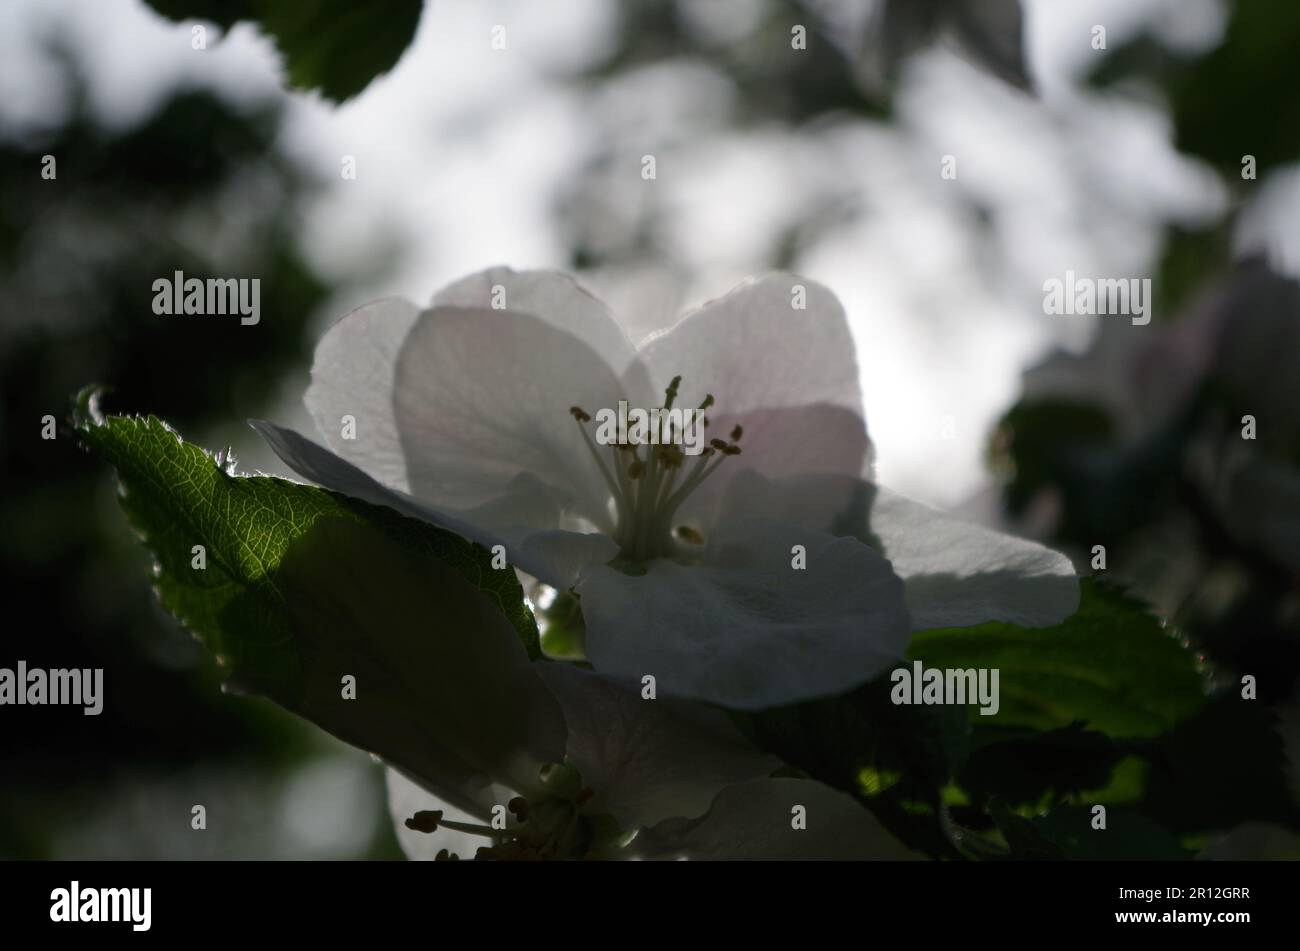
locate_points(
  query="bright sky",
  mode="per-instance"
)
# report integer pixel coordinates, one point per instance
(462, 152)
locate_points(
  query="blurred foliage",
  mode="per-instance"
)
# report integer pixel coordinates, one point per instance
(853, 71)
(1234, 100)
(198, 187)
(990, 32)
(771, 85)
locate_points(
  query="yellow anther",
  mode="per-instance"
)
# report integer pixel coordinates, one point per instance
(689, 535)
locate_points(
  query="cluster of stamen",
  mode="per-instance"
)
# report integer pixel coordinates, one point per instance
(649, 488)
(550, 826)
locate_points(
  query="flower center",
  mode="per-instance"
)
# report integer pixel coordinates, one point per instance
(650, 477)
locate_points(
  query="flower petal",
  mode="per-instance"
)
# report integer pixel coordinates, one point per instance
(313, 461)
(958, 574)
(353, 370)
(757, 819)
(789, 377)
(352, 375)
(753, 349)
(559, 558)
(820, 502)
(553, 296)
(746, 629)
(955, 573)
(555, 557)
(648, 760)
(482, 396)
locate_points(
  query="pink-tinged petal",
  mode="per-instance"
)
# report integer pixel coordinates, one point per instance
(787, 376)
(754, 349)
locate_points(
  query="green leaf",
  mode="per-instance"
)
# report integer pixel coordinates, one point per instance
(1112, 666)
(178, 495)
(444, 690)
(335, 46)
(302, 587)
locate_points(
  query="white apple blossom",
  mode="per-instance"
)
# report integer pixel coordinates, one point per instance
(767, 571)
